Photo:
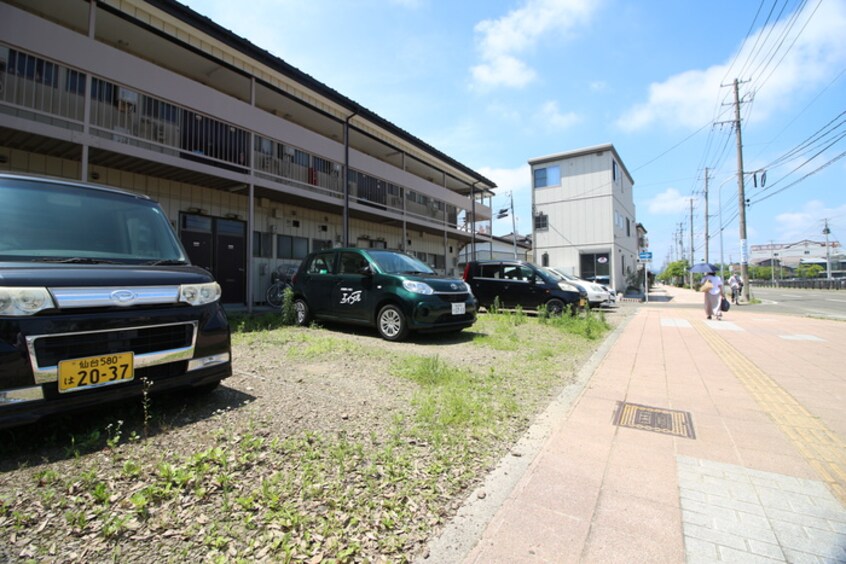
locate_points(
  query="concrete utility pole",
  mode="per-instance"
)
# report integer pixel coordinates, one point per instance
(826, 232)
(692, 254)
(741, 196)
(707, 258)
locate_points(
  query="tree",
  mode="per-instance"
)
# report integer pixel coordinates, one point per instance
(675, 273)
(809, 270)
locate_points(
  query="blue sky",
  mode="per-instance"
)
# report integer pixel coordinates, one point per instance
(494, 83)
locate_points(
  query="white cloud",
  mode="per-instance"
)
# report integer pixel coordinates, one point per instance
(508, 179)
(807, 222)
(689, 98)
(552, 116)
(501, 41)
(670, 201)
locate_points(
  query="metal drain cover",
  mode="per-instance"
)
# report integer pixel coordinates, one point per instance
(659, 420)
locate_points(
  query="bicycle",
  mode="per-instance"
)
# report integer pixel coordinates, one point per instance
(735, 294)
(279, 282)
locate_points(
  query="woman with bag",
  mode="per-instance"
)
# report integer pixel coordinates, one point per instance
(712, 287)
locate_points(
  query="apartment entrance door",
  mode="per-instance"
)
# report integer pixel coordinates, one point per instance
(220, 246)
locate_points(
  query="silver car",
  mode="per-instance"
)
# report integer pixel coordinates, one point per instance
(596, 294)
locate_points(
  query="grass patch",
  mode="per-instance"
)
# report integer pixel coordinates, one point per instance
(250, 490)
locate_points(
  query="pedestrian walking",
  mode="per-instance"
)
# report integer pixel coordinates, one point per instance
(712, 288)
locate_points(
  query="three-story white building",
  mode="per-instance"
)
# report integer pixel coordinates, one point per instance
(584, 215)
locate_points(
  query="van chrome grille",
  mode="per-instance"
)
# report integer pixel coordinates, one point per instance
(151, 345)
(50, 350)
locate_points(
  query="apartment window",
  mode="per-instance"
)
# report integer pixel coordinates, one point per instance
(541, 222)
(321, 244)
(290, 247)
(628, 228)
(262, 244)
(547, 176)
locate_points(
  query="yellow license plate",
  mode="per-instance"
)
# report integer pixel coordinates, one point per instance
(95, 371)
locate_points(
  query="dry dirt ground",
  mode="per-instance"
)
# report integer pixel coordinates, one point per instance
(316, 449)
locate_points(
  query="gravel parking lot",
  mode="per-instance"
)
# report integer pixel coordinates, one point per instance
(325, 444)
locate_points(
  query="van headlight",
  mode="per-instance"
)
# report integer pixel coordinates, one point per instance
(24, 301)
(568, 287)
(418, 287)
(199, 294)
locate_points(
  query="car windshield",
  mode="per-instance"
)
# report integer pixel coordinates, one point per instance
(392, 262)
(46, 222)
(554, 274)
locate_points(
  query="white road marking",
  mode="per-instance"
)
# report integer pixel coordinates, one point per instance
(672, 322)
(802, 338)
(835, 300)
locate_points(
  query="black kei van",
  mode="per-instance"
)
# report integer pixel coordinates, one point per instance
(97, 301)
(390, 290)
(520, 283)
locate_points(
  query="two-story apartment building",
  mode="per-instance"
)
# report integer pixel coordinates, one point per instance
(255, 162)
(584, 214)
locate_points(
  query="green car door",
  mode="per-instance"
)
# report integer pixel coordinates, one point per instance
(352, 295)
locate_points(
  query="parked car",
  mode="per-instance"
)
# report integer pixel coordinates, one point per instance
(97, 297)
(390, 290)
(596, 294)
(521, 283)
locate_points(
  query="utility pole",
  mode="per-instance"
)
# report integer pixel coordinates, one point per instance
(772, 261)
(707, 258)
(692, 254)
(741, 196)
(826, 232)
(513, 226)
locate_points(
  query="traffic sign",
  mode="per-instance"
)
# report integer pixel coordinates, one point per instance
(645, 255)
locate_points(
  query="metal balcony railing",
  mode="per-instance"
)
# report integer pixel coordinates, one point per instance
(41, 90)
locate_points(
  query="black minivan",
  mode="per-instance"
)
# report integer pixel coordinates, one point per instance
(98, 301)
(521, 283)
(390, 290)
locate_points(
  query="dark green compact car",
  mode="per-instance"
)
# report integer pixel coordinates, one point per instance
(390, 290)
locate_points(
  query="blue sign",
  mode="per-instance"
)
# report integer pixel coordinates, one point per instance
(646, 255)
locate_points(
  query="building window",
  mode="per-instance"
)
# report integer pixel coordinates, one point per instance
(614, 174)
(289, 247)
(545, 259)
(321, 244)
(541, 222)
(628, 228)
(262, 244)
(547, 176)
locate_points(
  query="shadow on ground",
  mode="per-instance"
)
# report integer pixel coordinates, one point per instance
(67, 436)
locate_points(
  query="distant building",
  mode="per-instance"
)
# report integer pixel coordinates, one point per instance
(499, 247)
(792, 254)
(584, 214)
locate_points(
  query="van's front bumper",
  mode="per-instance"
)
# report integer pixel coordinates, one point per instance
(20, 406)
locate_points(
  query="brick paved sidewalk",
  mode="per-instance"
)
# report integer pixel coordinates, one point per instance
(694, 440)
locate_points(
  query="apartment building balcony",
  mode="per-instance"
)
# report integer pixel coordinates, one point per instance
(46, 106)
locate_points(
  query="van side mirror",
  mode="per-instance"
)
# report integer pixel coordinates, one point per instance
(366, 270)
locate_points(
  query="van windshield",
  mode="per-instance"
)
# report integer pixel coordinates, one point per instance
(392, 262)
(47, 222)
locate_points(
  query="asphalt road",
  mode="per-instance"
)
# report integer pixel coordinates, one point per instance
(817, 303)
